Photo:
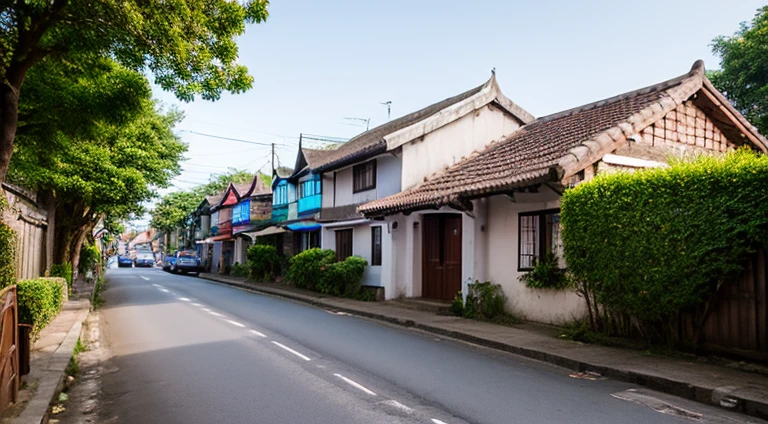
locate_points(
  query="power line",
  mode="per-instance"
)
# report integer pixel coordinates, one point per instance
(249, 130)
(227, 138)
(204, 166)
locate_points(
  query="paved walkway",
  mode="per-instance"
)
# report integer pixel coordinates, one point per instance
(707, 383)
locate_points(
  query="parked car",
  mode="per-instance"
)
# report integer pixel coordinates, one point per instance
(187, 261)
(169, 263)
(124, 261)
(144, 258)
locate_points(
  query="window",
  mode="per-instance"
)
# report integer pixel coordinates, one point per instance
(538, 233)
(343, 244)
(309, 188)
(308, 240)
(364, 176)
(281, 195)
(375, 246)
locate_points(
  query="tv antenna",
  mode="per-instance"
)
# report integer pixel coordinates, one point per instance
(388, 104)
(361, 121)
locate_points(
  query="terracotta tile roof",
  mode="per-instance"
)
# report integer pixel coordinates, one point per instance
(549, 149)
(372, 142)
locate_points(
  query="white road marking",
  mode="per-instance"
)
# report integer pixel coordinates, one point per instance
(235, 323)
(158, 286)
(144, 278)
(197, 304)
(438, 421)
(355, 384)
(398, 405)
(184, 299)
(216, 314)
(257, 333)
(206, 310)
(304, 357)
(164, 290)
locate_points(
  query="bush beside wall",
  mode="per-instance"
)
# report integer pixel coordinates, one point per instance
(64, 271)
(7, 255)
(318, 270)
(40, 300)
(264, 262)
(650, 244)
(306, 268)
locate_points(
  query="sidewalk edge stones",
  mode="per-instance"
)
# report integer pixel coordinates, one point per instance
(52, 377)
(707, 395)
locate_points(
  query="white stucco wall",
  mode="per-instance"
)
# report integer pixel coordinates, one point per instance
(447, 145)
(361, 246)
(501, 252)
(388, 171)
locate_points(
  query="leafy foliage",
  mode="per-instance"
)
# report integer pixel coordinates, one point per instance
(239, 270)
(744, 64)
(64, 271)
(485, 301)
(89, 258)
(306, 268)
(40, 300)
(7, 255)
(546, 274)
(342, 278)
(650, 244)
(263, 261)
(457, 305)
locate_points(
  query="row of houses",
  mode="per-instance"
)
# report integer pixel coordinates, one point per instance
(468, 188)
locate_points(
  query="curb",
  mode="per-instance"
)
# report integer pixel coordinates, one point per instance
(706, 395)
(52, 377)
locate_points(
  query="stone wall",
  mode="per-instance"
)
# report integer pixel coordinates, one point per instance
(30, 225)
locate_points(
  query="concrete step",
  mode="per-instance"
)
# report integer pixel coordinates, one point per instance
(427, 305)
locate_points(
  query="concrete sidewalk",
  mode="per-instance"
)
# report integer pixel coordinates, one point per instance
(707, 383)
(50, 355)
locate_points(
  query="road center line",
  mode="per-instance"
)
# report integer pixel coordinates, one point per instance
(158, 286)
(438, 421)
(184, 299)
(398, 405)
(164, 290)
(144, 278)
(304, 357)
(235, 323)
(257, 333)
(197, 304)
(216, 314)
(355, 384)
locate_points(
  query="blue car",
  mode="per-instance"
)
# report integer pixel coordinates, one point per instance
(187, 261)
(169, 263)
(124, 261)
(145, 258)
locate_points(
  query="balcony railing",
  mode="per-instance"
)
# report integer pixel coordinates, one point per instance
(309, 204)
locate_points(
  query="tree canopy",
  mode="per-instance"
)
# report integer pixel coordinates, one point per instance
(743, 76)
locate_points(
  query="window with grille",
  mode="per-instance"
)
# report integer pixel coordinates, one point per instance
(364, 176)
(538, 233)
(343, 244)
(375, 246)
(309, 188)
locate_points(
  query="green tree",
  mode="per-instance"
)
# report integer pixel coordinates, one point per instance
(104, 167)
(187, 44)
(743, 76)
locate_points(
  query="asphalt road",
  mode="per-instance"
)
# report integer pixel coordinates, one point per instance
(186, 350)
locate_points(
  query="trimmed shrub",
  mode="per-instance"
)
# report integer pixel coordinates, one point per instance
(650, 244)
(306, 268)
(342, 278)
(7, 254)
(64, 271)
(239, 270)
(485, 301)
(264, 262)
(546, 274)
(457, 305)
(40, 300)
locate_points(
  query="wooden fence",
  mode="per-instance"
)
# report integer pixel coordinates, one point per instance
(738, 321)
(9, 352)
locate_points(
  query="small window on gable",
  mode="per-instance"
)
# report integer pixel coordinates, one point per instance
(364, 176)
(538, 234)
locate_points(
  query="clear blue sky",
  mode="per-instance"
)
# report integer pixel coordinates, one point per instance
(317, 62)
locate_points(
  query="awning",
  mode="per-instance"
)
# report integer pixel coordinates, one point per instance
(266, 232)
(221, 237)
(352, 223)
(304, 226)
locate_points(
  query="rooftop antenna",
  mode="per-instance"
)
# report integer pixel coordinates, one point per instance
(366, 121)
(388, 104)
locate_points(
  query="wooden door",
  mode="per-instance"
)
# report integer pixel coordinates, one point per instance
(441, 256)
(343, 244)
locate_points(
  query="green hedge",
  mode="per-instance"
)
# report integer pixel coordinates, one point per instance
(239, 270)
(7, 255)
(652, 243)
(40, 300)
(264, 262)
(89, 258)
(342, 278)
(306, 268)
(64, 271)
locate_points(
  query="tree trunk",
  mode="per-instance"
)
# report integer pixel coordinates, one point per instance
(77, 246)
(9, 119)
(49, 204)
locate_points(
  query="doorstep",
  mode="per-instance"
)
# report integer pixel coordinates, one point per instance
(687, 378)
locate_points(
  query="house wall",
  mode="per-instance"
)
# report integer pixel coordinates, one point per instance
(361, 246)
(449, 144)
(388, 170)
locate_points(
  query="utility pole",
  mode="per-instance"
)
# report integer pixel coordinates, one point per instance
(273, 160)
(388, 104)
